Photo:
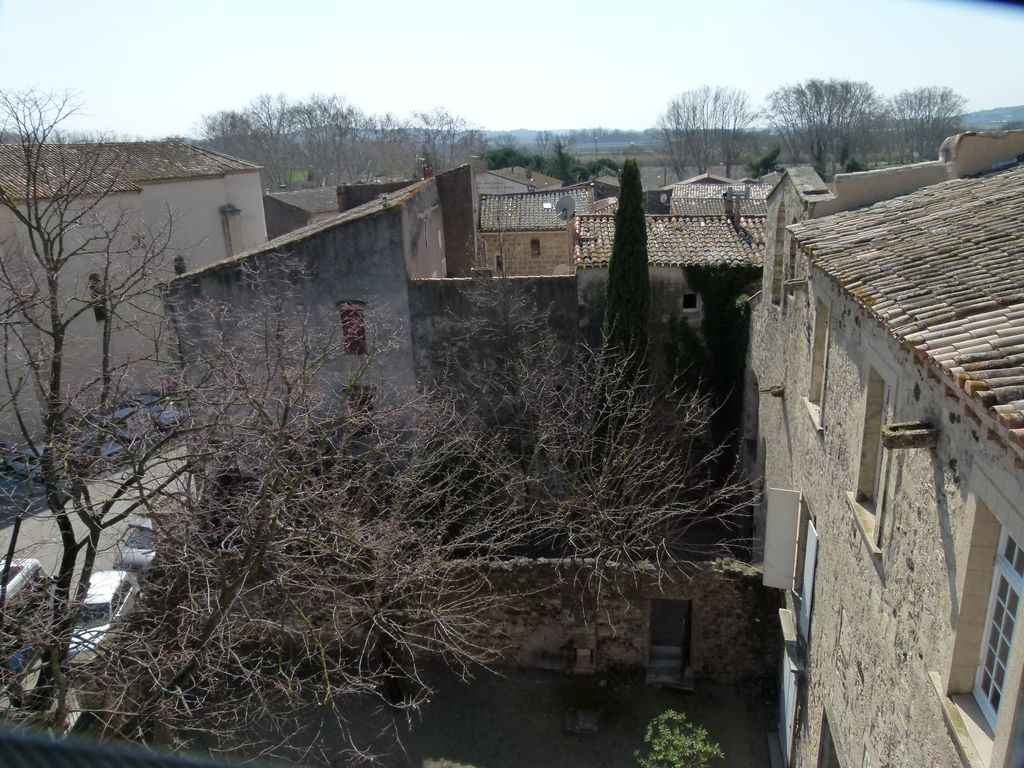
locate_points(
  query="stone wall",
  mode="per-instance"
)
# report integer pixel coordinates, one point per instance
(445, 312)
(513, 254)
(668, 284)
(885, 618)
(734, 618)
(458, 201)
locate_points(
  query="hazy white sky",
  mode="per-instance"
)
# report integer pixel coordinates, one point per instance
(153, 68)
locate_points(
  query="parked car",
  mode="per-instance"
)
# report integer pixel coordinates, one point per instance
(108, 599)
(25, 575)
(28, 463)
(162, 412)
(137, 548)
(26, 609)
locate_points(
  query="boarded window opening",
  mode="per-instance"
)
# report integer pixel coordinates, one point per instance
(353, 326)
(99, 297)
(535, 248)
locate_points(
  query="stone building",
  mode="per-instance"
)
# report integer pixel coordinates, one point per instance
(886, 420)
(523, 234)
(142, 212)
(674, 243)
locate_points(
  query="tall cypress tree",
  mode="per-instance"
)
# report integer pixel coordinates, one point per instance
(628, 290)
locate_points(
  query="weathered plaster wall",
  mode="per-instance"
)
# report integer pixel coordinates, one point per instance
(423, 232)
(363, 260)
(282, 218)
(510, 252)
(458, 202)
(668, 284)
(881, 622)
(734, 626)
(445, 312)
(190, 208)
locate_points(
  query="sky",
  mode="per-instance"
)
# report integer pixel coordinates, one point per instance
(151, 69)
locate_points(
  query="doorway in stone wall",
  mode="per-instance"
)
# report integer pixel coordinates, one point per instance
(668, 654)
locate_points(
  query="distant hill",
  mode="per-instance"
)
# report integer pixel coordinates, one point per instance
(994, 118)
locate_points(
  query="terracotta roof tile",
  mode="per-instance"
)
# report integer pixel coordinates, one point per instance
(530, 211)
(943, 270)
(704, 199)
(316, 200)
(675, 241)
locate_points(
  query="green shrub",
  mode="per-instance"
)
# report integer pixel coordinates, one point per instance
(674, 742)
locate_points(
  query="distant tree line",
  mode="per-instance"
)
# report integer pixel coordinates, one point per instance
(554, 158)
(325, 140)
(832, 124)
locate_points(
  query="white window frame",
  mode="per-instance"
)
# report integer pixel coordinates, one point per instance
(1002, 571)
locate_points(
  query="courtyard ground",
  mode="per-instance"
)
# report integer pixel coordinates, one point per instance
(516, 719)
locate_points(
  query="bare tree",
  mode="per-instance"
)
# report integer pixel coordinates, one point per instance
(829, 120)
(922, 118)
(326, 129)
(78, 315)
(705, 125)
(446, 139)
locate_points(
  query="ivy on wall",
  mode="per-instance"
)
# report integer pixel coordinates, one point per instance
(714, 360)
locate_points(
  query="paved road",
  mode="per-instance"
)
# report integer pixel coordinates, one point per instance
(39, 536)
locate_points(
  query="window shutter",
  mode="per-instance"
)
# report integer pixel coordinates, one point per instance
(807, 591)
(780, 537)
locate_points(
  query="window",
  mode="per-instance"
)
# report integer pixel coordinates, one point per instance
(819, 360)
(353, 326)
(179, 265)
(99, 296)
(1004, 602)
(779, 254)
(791, 261)
(828, 757)
(535, 248)
(689, 302)
(871, 479)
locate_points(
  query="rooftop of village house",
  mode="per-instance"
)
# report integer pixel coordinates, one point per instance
(675, 241)
(313, 200)
(943, 270)
(526, 176)
(103, 168)
(531, 211)
(704, 198)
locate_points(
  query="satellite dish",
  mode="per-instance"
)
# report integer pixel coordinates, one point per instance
(664, 198)
(565, 207)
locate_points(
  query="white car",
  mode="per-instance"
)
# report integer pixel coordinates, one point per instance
(109, 598)
(22, 574)
(137, 547)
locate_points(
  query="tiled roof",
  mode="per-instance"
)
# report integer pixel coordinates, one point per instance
(943, 270)
(611, 181)
(113, 167)
(530, 211)
(703, 199)
(675, 241)
(315, 200)
(707, 178)
(530, 178)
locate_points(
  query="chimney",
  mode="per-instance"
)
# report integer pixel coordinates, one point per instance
(731, 208)
(428, 171)
(340, 193)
